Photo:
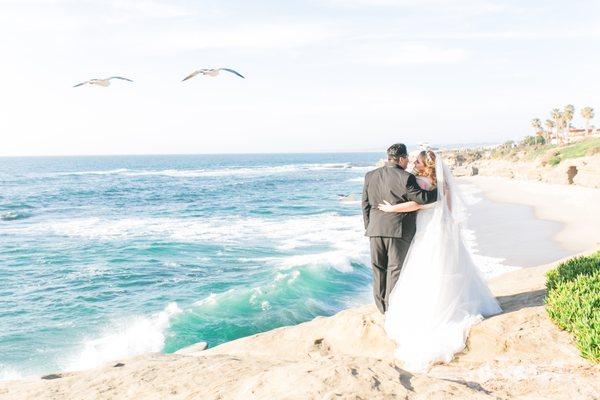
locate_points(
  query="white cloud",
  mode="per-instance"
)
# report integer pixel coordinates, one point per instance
(125, 9)
(471, 7)
(258, 36)
(79, 17)
(143, 9)
(556, 32)
(391, 53)
(425, 54)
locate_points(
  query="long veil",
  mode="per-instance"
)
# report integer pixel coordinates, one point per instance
(440, 293)
(449, 198)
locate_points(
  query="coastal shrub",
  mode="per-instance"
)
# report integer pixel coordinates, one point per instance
(554, 160)
(539, 152)
(533, 140)
(573, 302)
(503, 149)
(593, 151)
(536, 147)
(581, 148)
(575, 307)
(571, 269)
(550, 155)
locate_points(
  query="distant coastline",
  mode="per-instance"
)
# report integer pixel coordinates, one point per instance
(573, 163)
(467, 145)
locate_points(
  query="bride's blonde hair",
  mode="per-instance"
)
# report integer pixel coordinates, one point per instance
(428, 160)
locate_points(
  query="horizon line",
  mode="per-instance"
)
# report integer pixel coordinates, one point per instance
(241, 153)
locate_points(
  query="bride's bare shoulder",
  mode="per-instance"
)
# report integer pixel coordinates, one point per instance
(424, 182)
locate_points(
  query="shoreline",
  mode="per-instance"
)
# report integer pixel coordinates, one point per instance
(581, 225)
(509, 232)
(523, 286)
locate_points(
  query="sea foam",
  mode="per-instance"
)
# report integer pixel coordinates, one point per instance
(489, 266)
(9, 374)
(219, 172)
(137, 335)
(14, 215)
(340, 237)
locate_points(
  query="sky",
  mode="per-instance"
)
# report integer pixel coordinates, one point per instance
(321, 75)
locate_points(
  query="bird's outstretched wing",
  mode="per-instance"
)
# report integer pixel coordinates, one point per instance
(232, 71)
(193, 74)
(81, 84)
(120, 77)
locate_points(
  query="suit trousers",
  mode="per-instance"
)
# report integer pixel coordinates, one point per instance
(387, 259)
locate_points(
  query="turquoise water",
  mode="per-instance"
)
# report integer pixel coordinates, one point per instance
(106, 257)
(102, 258)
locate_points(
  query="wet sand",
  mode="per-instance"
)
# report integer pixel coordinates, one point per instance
(573, 208)
(512, 232)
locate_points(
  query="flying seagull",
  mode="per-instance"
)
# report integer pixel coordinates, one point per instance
(211, 72)
(102, 82)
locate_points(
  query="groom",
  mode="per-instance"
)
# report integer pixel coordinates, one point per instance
(390, 233)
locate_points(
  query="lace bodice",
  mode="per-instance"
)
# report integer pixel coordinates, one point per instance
(424, 183)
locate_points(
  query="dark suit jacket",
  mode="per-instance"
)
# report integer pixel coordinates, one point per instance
(395, 185)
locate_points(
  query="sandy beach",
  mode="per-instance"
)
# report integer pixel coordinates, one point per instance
(574, 206)
(518, 354)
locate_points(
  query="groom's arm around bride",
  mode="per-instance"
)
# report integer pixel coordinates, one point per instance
(392, 183)
(390, 233)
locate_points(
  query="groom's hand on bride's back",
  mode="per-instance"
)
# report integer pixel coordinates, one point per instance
(418, 195)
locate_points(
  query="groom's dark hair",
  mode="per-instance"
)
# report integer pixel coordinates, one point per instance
(395, 151)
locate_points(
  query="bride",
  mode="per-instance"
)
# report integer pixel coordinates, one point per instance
(440, 293)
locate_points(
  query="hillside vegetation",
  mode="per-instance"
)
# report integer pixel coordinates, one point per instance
(529, 150)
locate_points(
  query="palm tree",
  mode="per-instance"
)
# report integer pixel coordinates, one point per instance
(549, 125)
(557, 118)
(587, 113)
(568, 114)
(537, 125)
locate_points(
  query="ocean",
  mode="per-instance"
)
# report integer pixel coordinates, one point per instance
(110, 256)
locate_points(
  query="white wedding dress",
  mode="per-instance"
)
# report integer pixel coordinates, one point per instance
(440, 293)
